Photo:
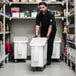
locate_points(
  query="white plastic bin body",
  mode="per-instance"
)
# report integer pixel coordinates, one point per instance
(56, 49)
(38, 52)
(20, 47)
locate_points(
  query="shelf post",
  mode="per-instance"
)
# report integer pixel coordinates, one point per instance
(4, 33)
(75, 19)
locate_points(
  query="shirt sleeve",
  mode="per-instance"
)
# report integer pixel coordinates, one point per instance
(52, 20)
(38, 20)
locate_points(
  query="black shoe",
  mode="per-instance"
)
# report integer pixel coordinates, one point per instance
(48, 63)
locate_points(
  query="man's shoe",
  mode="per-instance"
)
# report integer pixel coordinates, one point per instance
(48, 63)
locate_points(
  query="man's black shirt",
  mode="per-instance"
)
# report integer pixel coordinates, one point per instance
(46, 20)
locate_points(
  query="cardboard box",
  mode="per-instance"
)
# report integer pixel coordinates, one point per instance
(1, 26)
(24, 0)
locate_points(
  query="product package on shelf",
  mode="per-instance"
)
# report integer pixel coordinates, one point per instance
(15, 11)
(58, 13)
(34, 13)
(27, 13)
(15, 0)
(1, 10)
(35, 0)
(38, 0)
(22, 14)
(71, 37)
(0, 26)
(24, 0)
(50, 0)
(7, 28)
(65, 28)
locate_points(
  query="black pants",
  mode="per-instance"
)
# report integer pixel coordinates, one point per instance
(50, 44)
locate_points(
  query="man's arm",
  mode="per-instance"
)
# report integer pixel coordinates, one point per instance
(49, 31)
(37, 30)
(51, 24)
(37, 24)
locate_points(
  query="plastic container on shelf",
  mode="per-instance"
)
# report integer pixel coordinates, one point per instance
(27, 13)
(16, 14)
(22, 14)
(1, 27)
(20, 47)
(34, 13)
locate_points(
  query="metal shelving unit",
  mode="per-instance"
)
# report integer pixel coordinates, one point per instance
(71, 43)
(1, 14)
(62, 18)
(3, 33)
(55, 3)
(75, 19)
(69, 16)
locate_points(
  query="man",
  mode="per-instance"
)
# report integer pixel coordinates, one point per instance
(47, 27)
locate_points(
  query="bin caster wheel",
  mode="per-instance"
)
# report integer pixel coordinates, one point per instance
(40, 68)
(44, 67)
(15, 60)
(33, 68)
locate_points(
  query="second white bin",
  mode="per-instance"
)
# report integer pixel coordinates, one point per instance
(20, 47)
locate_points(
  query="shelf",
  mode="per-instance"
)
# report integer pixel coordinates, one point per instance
(56, 17)
(71, 26)
(5, 33)
(33, 18)
(71, 15)
(7, 17)
(22, 18)
(1, 32)
(3, 58)
(70, 42)
(1, 14)
(64, 32)
(53, 2)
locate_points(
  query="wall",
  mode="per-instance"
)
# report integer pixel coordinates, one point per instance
(27, 28)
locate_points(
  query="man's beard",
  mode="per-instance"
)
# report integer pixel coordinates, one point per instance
(42, 11)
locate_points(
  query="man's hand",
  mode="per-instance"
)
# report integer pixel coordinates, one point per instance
(35, 36)
(49, 31)
(47, 37)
